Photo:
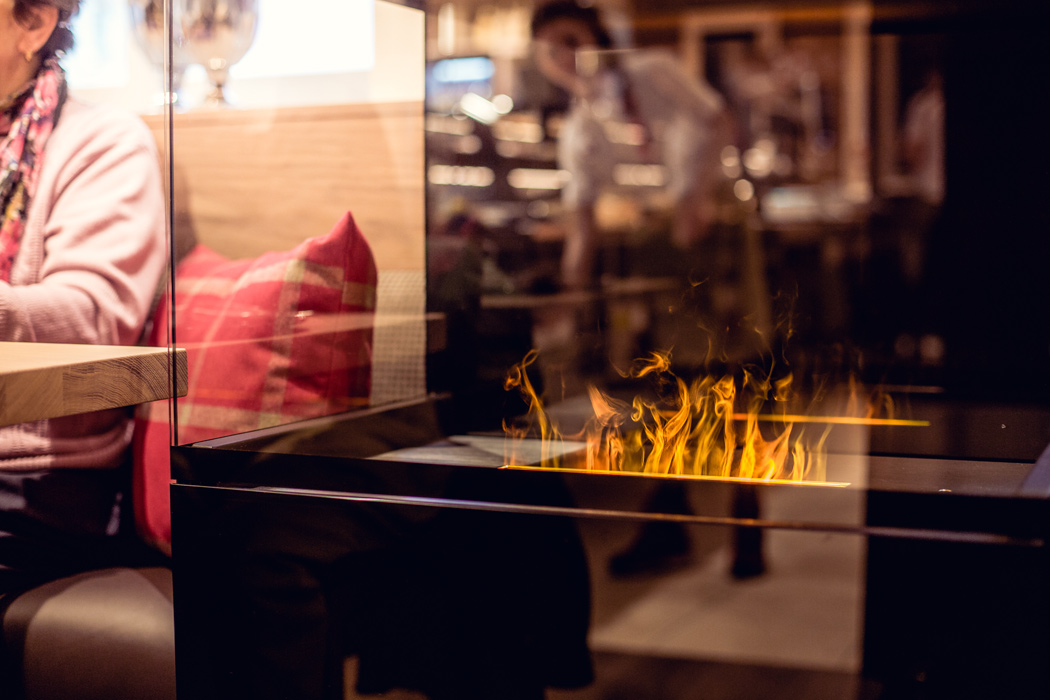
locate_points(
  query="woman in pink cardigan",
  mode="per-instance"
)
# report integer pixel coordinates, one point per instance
(81, 254)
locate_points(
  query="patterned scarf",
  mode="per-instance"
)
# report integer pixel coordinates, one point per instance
(27, 118)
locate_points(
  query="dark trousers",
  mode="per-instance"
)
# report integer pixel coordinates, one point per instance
(58, 522)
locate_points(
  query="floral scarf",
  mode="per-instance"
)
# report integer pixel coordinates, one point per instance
(26, 118)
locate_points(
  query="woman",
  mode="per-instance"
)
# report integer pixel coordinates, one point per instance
(81, 254)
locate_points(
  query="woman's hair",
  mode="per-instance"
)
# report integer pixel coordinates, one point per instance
(569, 9)
(62, 38)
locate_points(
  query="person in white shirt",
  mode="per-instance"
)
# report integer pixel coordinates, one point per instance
(681, 121)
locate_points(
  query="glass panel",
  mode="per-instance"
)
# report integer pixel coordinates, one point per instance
(744, 177)
(359, 595)
(299, 288)
(737, 364)
(768, 203)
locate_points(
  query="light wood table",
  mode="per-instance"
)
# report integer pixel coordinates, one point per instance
(50, 380)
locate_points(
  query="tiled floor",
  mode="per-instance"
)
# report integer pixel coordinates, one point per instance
(805, 612)
(793, 632)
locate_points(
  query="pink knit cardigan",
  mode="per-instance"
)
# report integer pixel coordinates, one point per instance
(89, 263)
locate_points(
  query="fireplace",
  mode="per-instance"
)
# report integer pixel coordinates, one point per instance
(434, 540)
(804, 457)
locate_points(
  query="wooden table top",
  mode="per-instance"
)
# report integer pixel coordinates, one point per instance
(50, 380)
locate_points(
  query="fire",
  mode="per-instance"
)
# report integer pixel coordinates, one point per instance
(519, 378)
(689, 429)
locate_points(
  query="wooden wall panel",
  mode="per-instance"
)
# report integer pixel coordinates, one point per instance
(249, 181)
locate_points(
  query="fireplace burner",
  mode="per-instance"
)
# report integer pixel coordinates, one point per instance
(941, 536)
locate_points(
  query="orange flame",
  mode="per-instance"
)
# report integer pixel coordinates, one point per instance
(690, 431)
(518, 378)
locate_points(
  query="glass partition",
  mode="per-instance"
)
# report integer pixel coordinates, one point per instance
(702, 358)
(297, 155)
(699, 244)
(781, 200)
(756, 200)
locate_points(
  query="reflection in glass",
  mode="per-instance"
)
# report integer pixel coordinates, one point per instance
(217, 33)
(147, 20)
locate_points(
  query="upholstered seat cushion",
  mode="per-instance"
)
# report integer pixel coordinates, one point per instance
(99, 635)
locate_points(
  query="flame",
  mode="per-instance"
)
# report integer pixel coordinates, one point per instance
(518, 378)
(690, 429)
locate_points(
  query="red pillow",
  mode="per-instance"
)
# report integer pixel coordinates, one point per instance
(271, 340)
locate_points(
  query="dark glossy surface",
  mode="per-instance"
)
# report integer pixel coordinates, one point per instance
(375, 537)
(388, 538)
(466, 599)
(403, 452)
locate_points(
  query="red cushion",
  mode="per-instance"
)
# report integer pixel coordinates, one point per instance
(271, 340)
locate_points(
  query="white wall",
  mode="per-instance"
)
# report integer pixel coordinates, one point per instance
(330, 51)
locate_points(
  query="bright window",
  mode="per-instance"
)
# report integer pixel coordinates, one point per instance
(100, 58)
(310, 37)
(304, 37)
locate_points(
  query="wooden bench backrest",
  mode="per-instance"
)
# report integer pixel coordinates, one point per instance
(250, 181)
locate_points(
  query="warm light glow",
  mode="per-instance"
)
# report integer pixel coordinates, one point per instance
(446, 31)
(468, 145)
(730, 156)
(461, 175)
(519, 379)
(626, 133)
(835, 420)
(503, 103)
(744, 190)
(759, 160)
(520, 131)
(730, 159)
(477, 107)
(691, 430)
(537, 179)
(715, 427)
(692, 477)
(639, 175)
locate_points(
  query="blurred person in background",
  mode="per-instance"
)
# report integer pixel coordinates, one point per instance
(684, 124)
(682, 121)
(82, 252)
